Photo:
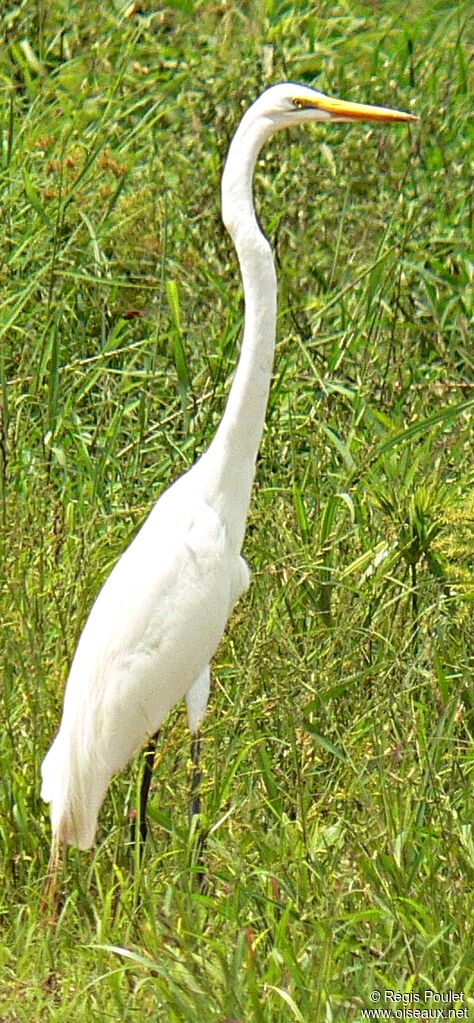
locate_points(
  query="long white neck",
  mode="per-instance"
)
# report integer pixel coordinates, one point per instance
(230, 460)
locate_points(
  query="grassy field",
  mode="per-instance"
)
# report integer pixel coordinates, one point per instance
(339, 750)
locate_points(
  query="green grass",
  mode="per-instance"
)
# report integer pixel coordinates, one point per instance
(339, 742)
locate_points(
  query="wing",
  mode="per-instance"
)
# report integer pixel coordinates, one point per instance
(154, 627)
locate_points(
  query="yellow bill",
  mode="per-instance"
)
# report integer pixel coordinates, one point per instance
(342, 110)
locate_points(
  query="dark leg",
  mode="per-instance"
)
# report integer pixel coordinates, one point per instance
(141, 819)
(195, 807)
(196, 747)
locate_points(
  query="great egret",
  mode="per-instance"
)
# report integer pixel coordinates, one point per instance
(161, 614)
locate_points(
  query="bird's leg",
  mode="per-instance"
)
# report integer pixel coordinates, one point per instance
(195, 807)
(141, 818)
(197, 698)
(196, 748)
(196, 702)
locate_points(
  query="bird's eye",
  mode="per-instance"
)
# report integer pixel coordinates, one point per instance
(297, 103)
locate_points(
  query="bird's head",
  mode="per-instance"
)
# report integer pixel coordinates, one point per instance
(288, 104)
(282, 106)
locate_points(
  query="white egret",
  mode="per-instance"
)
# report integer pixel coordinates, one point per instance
(161, 614)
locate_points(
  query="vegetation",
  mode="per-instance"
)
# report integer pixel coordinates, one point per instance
(339, 754)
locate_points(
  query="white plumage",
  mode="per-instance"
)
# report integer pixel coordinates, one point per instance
(158, 619)
(160, 615)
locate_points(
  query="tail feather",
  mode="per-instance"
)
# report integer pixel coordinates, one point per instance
(74, 792)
